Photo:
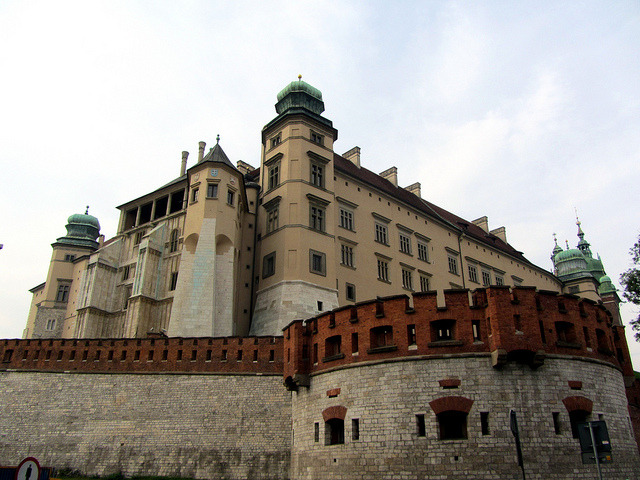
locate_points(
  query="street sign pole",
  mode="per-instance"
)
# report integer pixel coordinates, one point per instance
(595, 450)
(516, 434)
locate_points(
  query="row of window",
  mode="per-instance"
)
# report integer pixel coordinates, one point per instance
(313, 136)
(407, 276)
(452, 425)
(486, 276)
(212, 192)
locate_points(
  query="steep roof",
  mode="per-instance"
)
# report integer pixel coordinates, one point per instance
(428, 208)
(216, 154)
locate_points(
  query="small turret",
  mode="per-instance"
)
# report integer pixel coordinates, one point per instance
(83, 230)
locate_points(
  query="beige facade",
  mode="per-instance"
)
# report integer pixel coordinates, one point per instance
(231, 250)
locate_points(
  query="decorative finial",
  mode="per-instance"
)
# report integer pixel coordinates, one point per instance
(217, 139)
(299, 77)
(555, 239)
(86, 212)
(567, 244)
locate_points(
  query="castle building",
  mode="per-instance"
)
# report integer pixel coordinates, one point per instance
(310, 319)
(232, 250)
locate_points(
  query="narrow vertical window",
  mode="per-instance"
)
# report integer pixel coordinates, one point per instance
(475, 328)
(316, 432)
(484, 423)
(556, 422)
(354, 343)
(411, 334)
(420, 426)
(355, 429)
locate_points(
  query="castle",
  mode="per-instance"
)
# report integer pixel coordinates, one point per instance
(180, 345)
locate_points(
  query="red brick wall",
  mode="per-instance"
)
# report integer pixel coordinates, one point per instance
(146, 355)
(509, 320)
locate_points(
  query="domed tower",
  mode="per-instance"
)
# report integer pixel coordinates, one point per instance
(295, 227)
(54, 300)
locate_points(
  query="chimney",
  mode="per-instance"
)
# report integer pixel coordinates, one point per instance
(501, 233)
(244, 167)
(353, 156)
(183, 166)
(391, 174)
(201, 146)
(415, 189)
(482, 222)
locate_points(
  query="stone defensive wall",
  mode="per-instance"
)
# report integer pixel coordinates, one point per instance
(395, 388)
(211, 408)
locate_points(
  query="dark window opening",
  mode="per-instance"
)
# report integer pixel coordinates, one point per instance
(212, 190)
(334, 431)
(269, 265)
(411, 334)
(177, 199)
(484, 423)
(475, 328)
(442, 330)
(173, 283)
(420, 425)
(381, 336)
(333, 346)
(316, 432)
(576, 417)
(565, 332)
(173, 241)
(354, 343)
(556, 423)
(542, 335)
(130, 218)
(161, 207)
(452, 425)
(145, 213)
(355, 429)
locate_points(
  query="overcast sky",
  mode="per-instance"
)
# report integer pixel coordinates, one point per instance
(521, 111)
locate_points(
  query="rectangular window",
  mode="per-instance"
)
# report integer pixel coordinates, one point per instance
(274, 175)
(383, 270)
(230, 197)
(405, 244)
(275, 141)
(272, 219)
(346, 219)
(69, 258)
(317, 262)
(411, 334)
(473, 273)
(484, 423)
(317, 175)
(424, 283)
(138, 238)
(420, 426)
(194, 195)
(351, 292)
(354, 343)
(453, 265)
(346, 255)
(126, 272)
(63, 293)
(556, 422)
(475, 329)
(212, 190)
(407, 280)
(423, 251)
(499, 280)
(316, 432)
(317, 138)
(269, 265)
(486, 278)
(316, 220)
(381, 234)
(173, 283)
(355, 429)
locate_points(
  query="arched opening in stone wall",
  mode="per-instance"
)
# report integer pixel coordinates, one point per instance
(334, 431)
(452, 425)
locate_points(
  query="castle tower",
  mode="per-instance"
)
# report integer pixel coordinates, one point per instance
(54, 300)
(296, 231)
(208, 299)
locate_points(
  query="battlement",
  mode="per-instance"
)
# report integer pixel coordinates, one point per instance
(228, 355)
(511, 324)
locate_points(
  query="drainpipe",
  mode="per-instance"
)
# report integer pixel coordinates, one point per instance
(460, 236)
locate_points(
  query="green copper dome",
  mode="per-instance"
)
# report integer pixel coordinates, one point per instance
(300, 86)
(567, 255)
(299, 96)
(606, 285)
(83, 230)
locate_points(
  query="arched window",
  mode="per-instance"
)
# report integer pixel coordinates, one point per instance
(173, 241)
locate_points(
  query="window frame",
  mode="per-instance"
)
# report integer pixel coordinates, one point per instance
(273, 175)
(317, 217)
(347, 219)
(453, 263)
(269, 265)
(382, 233)
(423, 251)
(405, 242)
(321, 258)
(317, 174)
(346, 255)
(407, 279)
(212, 189)
(383, 270)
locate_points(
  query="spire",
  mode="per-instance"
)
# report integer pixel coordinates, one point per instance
(556, 249)
(583, 245)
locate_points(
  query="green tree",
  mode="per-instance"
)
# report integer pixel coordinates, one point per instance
(631, 282)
